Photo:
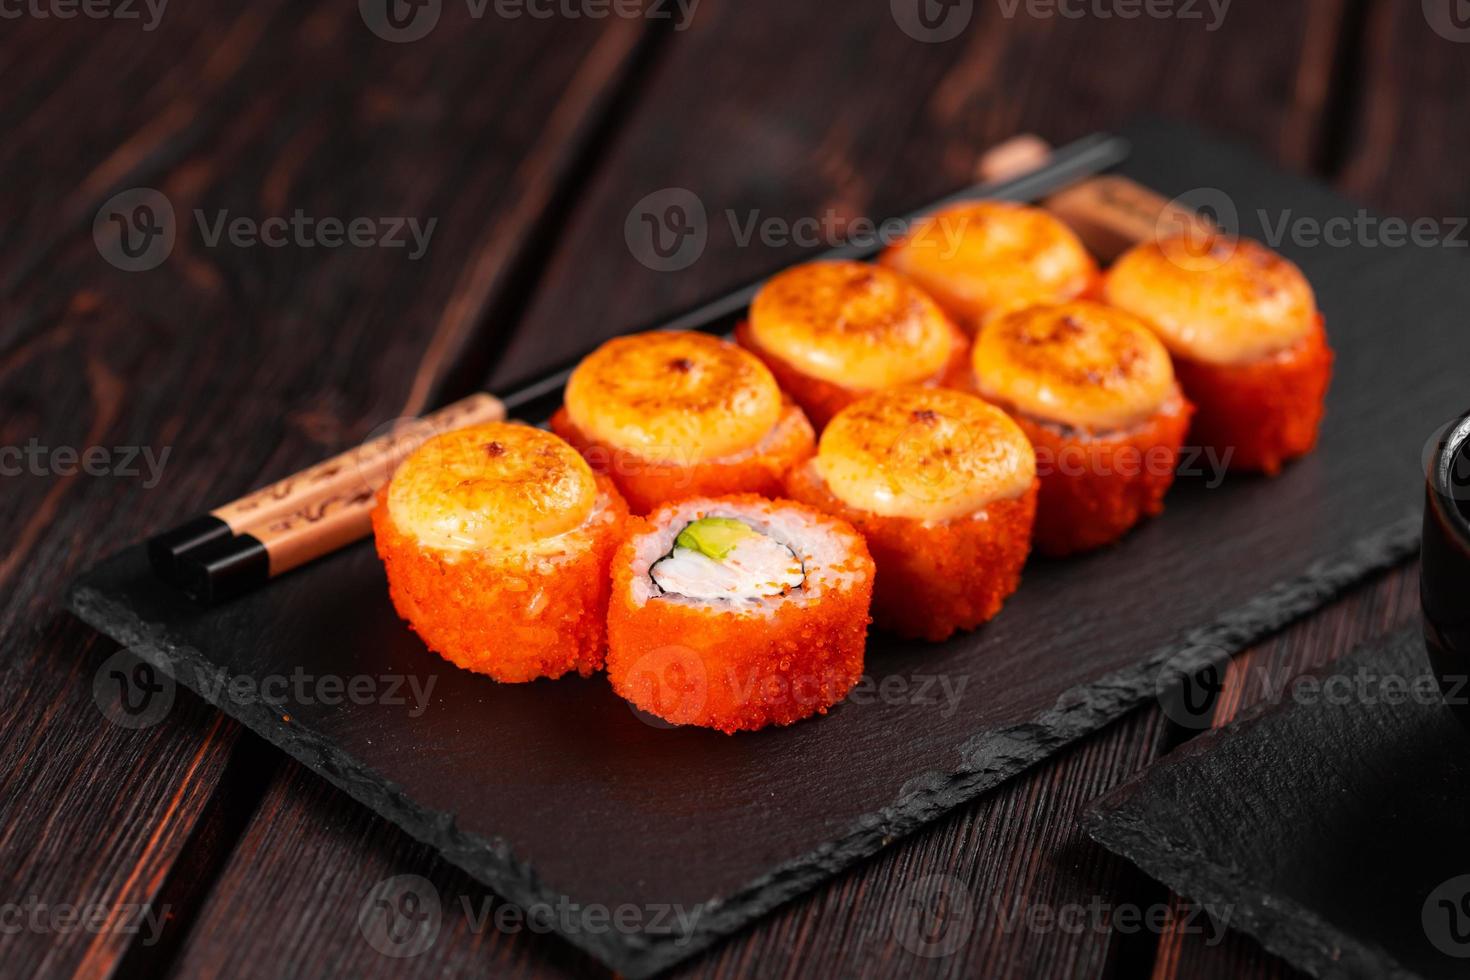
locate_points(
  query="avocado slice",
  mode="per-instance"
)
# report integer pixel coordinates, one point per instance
(713, 537)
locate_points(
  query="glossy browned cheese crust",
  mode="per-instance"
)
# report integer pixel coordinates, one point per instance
(1081, 364)
(1218, 300)
(852, 323)
(673, 397)
(924, 453)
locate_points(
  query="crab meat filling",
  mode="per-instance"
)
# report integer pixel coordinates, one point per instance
(725, 558)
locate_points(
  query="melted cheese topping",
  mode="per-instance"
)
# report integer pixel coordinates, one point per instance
(925, 453)
(498, 487)
(982, 257)
(673, 397)
(1081, 364)
(853, 324)
(1220, 301)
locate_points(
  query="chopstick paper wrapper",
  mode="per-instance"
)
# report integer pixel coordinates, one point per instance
(304, 516)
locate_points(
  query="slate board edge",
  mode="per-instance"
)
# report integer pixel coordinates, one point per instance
(1281, 926)
(1284, 927)
(991, 757)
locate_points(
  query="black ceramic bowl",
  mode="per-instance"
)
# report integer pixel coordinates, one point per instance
(1444, 589)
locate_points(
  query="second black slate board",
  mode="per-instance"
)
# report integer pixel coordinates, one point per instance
(1333, 826)
(556, 789)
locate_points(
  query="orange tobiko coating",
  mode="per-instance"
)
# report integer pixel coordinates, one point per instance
(934, 578)
(1095, 486)
(822, 399)
(646, 484)
(737, 669)
(515, 617)
(1263, 412)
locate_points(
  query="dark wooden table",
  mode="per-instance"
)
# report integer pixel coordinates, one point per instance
(531, 140)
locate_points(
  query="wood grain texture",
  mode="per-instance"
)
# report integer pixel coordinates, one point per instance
(828, 110)
(874, 153)
(242, 363)
(1405, 76)
(792, 138)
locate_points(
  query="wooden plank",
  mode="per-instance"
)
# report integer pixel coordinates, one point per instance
(1401, 154)
(242, 363)
(286, 876)
(792, 111)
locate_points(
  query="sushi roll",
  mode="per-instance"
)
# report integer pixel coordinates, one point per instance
(1094, 391)
(981, 257)
(832, 332)
(497, 541)
(1247, 339)
(738, 612)
(670, 414)
(943, 486)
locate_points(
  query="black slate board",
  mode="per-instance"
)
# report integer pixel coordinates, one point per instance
(558, 789)
(1331, 824)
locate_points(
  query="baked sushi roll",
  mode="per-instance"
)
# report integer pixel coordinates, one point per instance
(982, 257)
(832, 332)
(1247, 339)
(943, 486)
(1094, 391)
(738, 612)
(497, 541)
(671, 414)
